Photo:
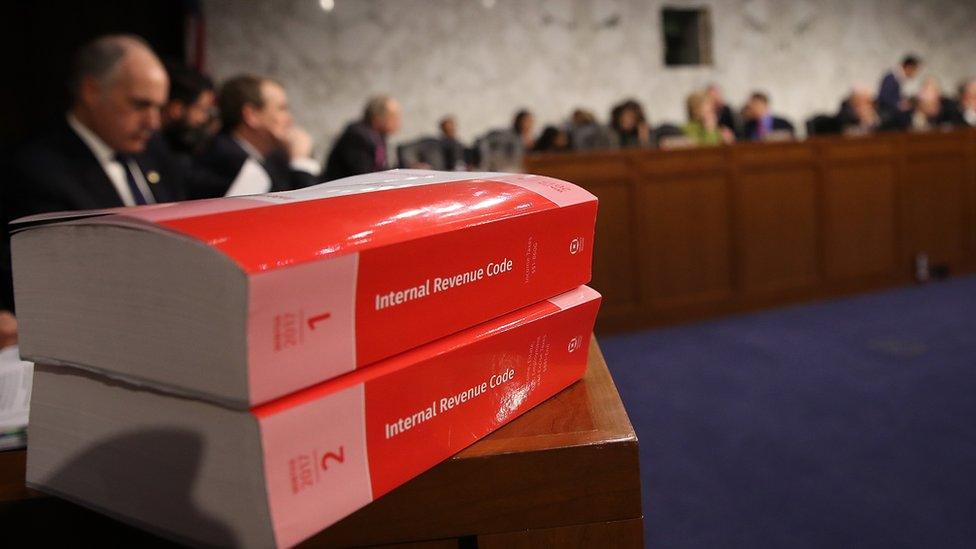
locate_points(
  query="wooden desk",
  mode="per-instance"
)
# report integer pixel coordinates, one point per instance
(564, 474)
(685, 234)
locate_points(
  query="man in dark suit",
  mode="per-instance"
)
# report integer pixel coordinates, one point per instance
(259, 148)
(105, 153)
(929, 110)
(455, 153)
(890, 98)
(60, 171)
(857, 113)
(726, 119)
(188, 124)
(965, 105)
(761, 124)
(190, 111)
(362, 146)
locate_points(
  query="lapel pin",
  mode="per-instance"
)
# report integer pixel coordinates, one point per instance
(152, 176)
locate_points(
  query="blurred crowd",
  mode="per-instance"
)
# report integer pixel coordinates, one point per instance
(712, 121)
(141, 132)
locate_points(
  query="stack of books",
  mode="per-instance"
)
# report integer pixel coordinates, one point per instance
(250, 370)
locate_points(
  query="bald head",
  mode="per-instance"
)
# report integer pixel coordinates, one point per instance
(967, 94)
(714, 92)
(119, 87)
(382, 113)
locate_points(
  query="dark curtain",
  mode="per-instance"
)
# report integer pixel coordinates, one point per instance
(38, 38)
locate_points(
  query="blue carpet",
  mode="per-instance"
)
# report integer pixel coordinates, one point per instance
(849, 423)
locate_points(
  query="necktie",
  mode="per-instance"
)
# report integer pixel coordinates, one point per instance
(380, 157)
(766, 127)
(130, 180)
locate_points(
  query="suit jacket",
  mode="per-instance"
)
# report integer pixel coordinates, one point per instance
(847, 119)
(354, 153)
(727, 119)
(947, 116)
(889, 94)
(953, 113)
(58, 172)
(454, 153)
(221, 161)
(779, 124)
(959, 117)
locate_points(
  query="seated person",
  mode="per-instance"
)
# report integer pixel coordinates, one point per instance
(760, 123)
(104, 153)
(189, 122)
(857, 114)
(553, 139)
(362, 146)
(702, 128)
(259, 149)
(965, 114)
(628, 121)
(585, 133)
(928, 110)
(189, 115)
(581, 118)
(726, 118)
(455, 153)
(524, 126)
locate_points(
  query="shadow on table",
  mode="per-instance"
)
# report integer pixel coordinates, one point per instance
(123, 473)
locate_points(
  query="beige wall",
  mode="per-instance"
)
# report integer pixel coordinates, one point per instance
(458, 56)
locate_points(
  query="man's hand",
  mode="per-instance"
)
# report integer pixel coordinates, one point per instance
(8, 329)
(728, 137)
(298, 143)
(644, 134)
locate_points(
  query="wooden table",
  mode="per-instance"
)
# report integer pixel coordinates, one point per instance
(563, 475)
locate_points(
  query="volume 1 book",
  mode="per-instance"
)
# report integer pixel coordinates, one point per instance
(243, 300)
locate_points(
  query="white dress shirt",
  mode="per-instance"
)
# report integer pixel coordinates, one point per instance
(969, 115)
(253, 178)
(112, 167)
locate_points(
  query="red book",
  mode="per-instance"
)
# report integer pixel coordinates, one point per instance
(244, 300)
(277, 474)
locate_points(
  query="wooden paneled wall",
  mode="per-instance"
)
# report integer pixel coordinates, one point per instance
(686, 234)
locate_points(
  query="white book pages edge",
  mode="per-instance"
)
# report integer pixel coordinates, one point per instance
(16, 377)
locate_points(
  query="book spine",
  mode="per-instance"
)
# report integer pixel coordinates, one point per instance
(318, 320)
(417, 291)
(326, 457)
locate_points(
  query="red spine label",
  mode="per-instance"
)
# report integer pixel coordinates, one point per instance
(349, 280)
(332, 448)
(414, 292)
(419, 416)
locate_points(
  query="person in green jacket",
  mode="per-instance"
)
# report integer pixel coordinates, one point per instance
(702, 127)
